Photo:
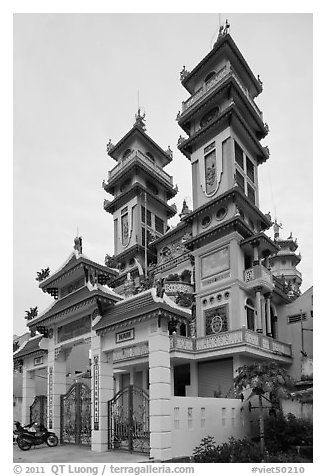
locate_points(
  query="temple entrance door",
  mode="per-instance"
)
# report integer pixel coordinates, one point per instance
(38, 410)
(75, 415)
(128, 414)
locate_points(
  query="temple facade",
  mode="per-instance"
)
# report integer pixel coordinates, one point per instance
(140, 352)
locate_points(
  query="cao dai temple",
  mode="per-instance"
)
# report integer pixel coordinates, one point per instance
(139, 353)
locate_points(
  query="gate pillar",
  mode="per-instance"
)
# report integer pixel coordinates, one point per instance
(160, 393)
(56, 387)
(102, 391)
(28, 394)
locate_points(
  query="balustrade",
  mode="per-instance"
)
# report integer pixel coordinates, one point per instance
(226, 339)
(258, 272)
(138, 155)
(215, 81)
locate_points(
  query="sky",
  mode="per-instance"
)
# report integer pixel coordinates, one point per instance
(77, 80)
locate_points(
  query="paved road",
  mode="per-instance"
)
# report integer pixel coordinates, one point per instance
(73, 454)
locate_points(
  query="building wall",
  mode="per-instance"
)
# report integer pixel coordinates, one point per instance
(194, 418)
(291, 332)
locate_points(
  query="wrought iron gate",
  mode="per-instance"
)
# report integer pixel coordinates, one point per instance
(38, 410)
(75, 424)
(128, 413)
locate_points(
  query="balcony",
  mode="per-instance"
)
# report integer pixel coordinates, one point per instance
(240, 340)
(213, 84)
(140, 157)
(258, 276)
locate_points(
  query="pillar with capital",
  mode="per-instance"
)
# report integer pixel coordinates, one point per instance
(259, 327)
(28, 394)
(102, 391)
(160, 392)
(56, 386)
(256, 255)
(268, 297)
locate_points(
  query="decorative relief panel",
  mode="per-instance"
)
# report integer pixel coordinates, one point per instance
(216, 320)
(50, 396)
(96, 392)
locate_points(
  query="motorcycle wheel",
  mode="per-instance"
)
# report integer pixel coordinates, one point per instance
(23, 444)
(52, 440)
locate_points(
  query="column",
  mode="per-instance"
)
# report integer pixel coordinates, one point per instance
(160, 393)
(56, 387)
(132, 376)
(268, 314)
(172, 379)
(256, 256)
(28, 394)
(193, 388)
(263, 314)
(144, 380)
(258, 310)
(102, 392)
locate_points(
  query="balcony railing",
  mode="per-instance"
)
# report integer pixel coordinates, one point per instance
(130, 352)
(141, 157)
(226, 71)
(258, 275)
(227, 339)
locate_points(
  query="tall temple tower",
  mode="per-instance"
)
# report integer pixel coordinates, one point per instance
(141, 189)
(224, 128)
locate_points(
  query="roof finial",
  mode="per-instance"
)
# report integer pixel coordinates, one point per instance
(78, 244)
(222, 30)
(140, 119)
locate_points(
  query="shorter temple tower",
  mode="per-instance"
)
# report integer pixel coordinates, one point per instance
(141, 190)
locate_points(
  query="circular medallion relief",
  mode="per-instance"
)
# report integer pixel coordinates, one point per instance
(220, 214)
(216, 324)
(206, 221)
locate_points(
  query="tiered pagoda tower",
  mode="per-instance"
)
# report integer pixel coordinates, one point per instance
(224, 128)
(284, 263)
(141, 189)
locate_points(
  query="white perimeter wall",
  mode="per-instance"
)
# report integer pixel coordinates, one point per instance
(194, 418)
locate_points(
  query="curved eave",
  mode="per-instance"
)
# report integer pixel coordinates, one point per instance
(161, 311)
(68, 269)
(69, 307)
(235, 223)
(292, 245)
(115, 150)
(218, 48)
(236, 194)
(112, 206)
(228, 81)
(227, 115)
(150, 172)
(295, 258)
(262, 238)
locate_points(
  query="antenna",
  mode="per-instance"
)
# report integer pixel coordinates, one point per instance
(138, 99)
(217, 29)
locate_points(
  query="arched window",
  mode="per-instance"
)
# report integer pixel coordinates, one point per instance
(126, 153)
(209, 76)
(150, 155)
(183, 329)
(250, 308)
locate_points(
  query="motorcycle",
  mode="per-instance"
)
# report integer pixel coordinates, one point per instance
(36, 435)
(19, 429)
